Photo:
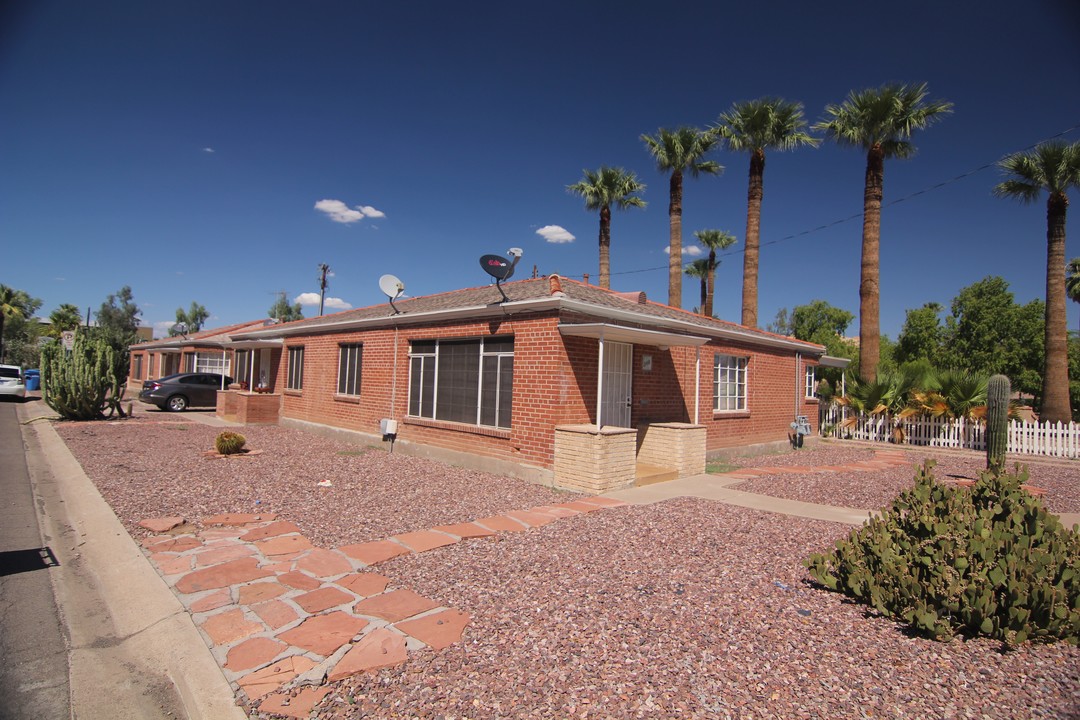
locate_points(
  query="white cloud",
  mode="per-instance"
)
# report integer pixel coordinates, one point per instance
(337, 304)
(691, 250)
(555, 234)
(370, 211)
(312, 299)
(161, 329)
(208, 150)
(339, 212)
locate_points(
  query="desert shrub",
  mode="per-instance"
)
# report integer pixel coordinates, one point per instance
(229, 443)
(982, 561)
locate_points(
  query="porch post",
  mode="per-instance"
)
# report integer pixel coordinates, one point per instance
(697, 385)
(600, 379)
(251, 370)
(223, 357)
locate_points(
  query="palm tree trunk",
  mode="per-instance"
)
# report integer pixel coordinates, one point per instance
(753, 238)
(704, 296)
(712, 284)
(675, 259)
(869, 285)
(1055, 388)
(1, 337)
(605, 247)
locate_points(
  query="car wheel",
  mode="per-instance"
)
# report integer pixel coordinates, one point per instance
(176, 403)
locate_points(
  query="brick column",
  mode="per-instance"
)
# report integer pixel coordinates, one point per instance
(679, 446)
(592, 460)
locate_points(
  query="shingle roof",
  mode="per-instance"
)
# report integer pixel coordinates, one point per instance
(647, 313)
(214, 335)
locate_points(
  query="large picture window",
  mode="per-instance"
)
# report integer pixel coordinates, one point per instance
(348, 382)
(211, 362)
(295, 379)
(466, 381)
(729, 385)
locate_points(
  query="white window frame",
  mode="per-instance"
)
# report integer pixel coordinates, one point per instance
(429, 373)
(294, 379)
(210, 362)
(730, 383)
(811, 381)
(350, 362)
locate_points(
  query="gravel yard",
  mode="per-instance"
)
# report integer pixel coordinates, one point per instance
(876, 489)
(684, 609)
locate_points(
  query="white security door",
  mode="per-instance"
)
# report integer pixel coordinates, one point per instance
(618, 370)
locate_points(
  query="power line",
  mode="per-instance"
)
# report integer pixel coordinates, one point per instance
(858, 215)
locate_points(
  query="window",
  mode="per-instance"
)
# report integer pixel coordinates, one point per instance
(150, 365)
(729, 386)
(211, 362)
(295, 379)
(136, 366)
(348, 376)
(811, 384)
(466, 381)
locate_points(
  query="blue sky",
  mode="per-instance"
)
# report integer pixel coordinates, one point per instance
(185, 149)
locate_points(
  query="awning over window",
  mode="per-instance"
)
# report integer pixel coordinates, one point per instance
(638, 336)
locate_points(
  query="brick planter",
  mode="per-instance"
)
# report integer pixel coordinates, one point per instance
(593, 460)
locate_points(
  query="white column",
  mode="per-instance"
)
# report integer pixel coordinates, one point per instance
(600, 380)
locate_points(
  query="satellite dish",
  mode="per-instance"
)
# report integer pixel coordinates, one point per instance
(392, 288)
(500, 268)
(497, 266)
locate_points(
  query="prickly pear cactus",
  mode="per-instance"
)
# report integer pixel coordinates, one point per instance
(997, 419)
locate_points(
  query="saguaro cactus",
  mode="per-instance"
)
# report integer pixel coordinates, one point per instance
(997, 417)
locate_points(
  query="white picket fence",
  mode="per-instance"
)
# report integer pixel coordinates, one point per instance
(1060, 440)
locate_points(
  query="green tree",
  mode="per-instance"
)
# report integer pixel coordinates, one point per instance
(282, 311)
(1053, 167)
(700, 269)
(601, 189)
(756, 126)
(921, 336)
(64, 317)
(988, 333)
(190, 321)
(880, 121)
(714, 240)
(821, 323)
(680, 151)
(1072, 287)
(118, 323)
(15, 306)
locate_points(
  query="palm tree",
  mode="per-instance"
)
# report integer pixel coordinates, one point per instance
(601, 189)
(756, 126)
(13, 304)
(1055, 168)
(714, 240)
(701, 269)
(64, 317)
(680, 151)
(881, 121)
(1072, 279)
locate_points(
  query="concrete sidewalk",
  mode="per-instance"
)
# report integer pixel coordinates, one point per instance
(134, 651)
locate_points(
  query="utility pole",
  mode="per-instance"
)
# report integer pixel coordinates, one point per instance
(324, 270)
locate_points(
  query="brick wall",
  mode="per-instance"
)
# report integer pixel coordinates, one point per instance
(554, 384)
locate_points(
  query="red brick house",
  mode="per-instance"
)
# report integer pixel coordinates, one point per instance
(206, 351)
(515, 385)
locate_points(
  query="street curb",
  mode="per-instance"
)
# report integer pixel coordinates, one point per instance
(144, 619)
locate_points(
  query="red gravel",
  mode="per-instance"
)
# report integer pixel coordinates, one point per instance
(684, 609)
(876, 489)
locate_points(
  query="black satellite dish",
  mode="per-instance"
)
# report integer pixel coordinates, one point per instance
(500, 268)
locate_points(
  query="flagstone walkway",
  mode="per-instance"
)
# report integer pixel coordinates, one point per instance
(279, 613)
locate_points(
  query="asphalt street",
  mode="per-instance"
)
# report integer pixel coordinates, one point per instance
(34, 671)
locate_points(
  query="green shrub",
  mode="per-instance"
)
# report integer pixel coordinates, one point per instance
(229, 443)
(986, 560)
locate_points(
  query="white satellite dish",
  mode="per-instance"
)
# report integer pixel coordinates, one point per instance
(392, 288)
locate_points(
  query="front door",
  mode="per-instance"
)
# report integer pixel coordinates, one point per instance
(615, 398)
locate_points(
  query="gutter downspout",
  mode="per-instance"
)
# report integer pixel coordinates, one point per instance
(798, 363)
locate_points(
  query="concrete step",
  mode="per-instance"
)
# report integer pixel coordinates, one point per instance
(646, 474)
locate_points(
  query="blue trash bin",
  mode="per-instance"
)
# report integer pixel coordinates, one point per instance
(32, 379)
